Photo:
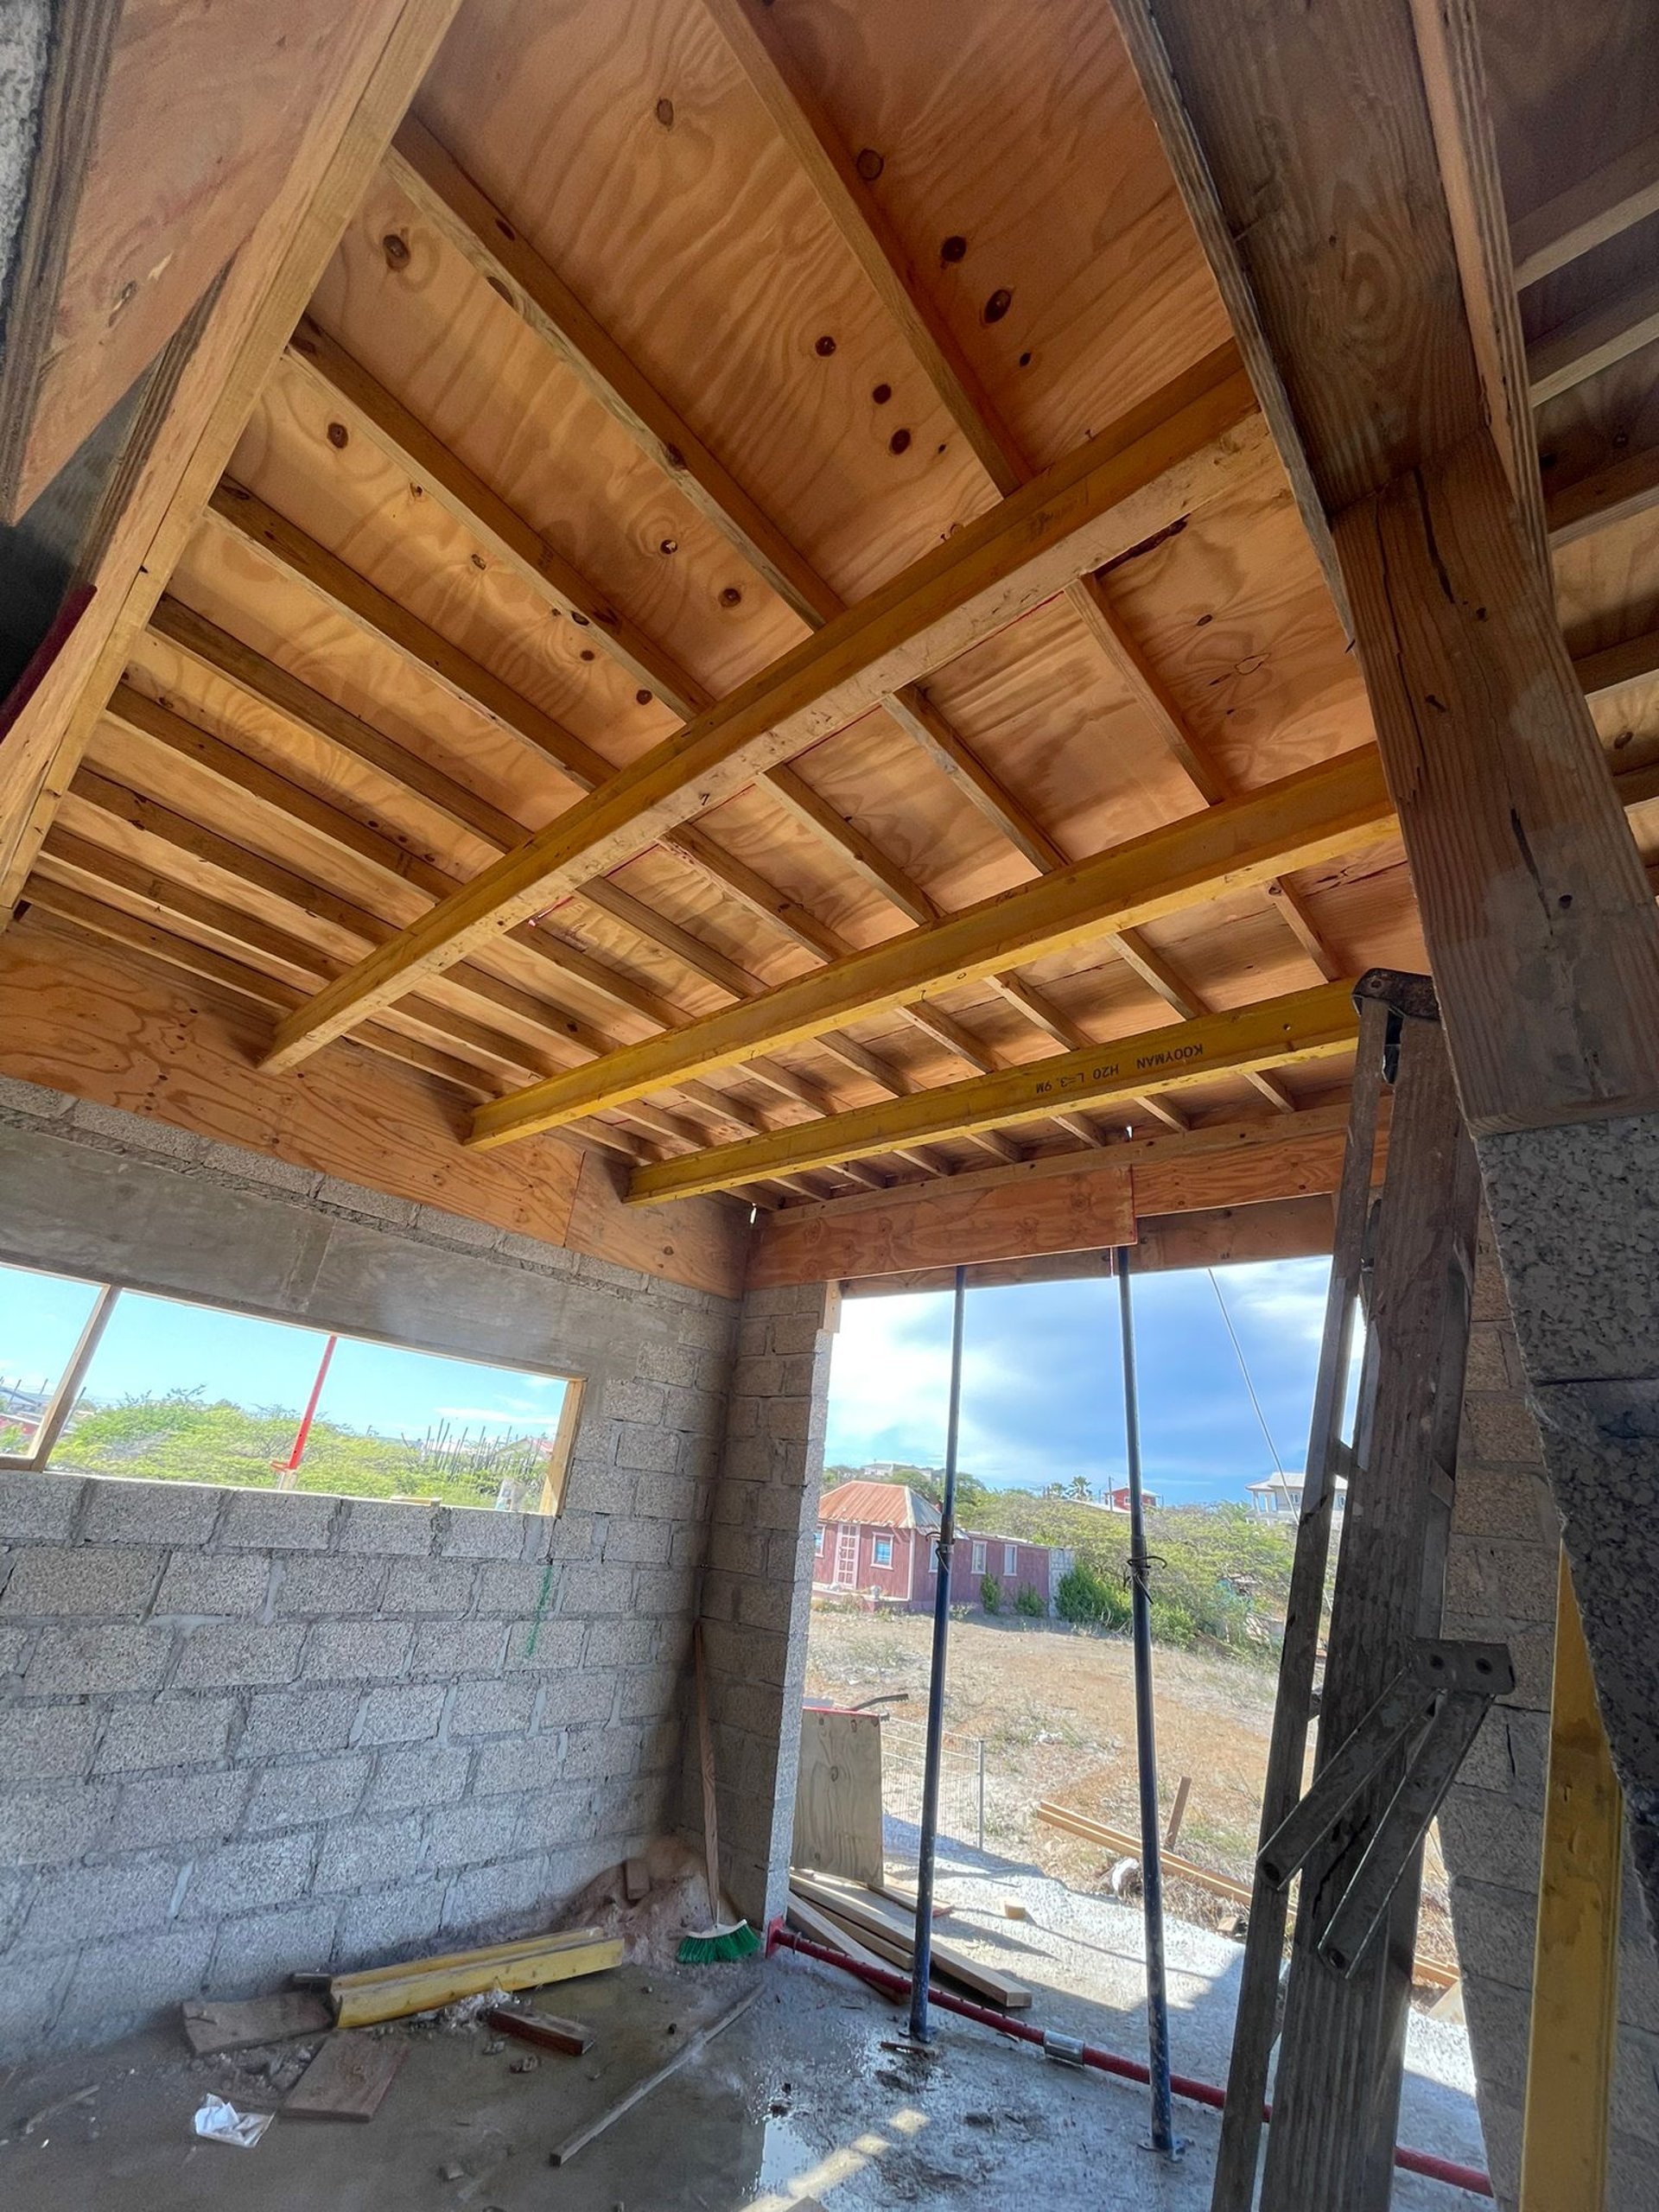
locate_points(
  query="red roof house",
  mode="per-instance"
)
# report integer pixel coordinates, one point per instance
(875, 1540)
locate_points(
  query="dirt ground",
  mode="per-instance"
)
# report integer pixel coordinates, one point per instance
(1056, 1707)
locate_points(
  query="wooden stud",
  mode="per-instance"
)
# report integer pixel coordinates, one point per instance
(1573, 2049)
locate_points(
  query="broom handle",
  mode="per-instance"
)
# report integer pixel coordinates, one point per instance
(706, 1756)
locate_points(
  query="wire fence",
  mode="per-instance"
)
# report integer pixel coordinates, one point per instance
(962, 1781)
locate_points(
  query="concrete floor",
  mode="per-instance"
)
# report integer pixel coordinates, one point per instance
(805, 2098)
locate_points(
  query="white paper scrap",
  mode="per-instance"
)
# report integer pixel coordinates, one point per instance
(222, 2123)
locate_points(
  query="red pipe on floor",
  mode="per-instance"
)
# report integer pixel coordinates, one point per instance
(1089, 2054)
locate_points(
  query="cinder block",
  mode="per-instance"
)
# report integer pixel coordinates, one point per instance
(405, 1713)
(54, 1826)
(499, 1708)
(1486, 1839)
(577, 1695)
(589, 1590)
(543, 1644)
(236, 1162)
(138, 1133)
(31, 2005)
(122, 1512)
(593, 1753)
(617, 1644)
(647, 1543)
(165, 1732)
(46, 1582)
(362, 1853)
(177, 1808)
(388, 1924)
(626, 1400)
(401, 1531)
(202, 1584)
(45, 1743)
(518, 1592)
(356, 1651)
(328, 1588)
(321, 1790)
(430, 1585)
(1507, 1501)
(417, 1775)
(1493, 1575)
(1496, 1928)
(467, 1836)
(666, 1361)
(457, 1229)
(259, 1952)
(572, 1536)
(469, 1535)
(566, 1813)
(14, 1645)
(1636, 2086)
(34, 1100)
(243, 1875)
(289, 1520)
(459, 1647)
(1509, 1755)
(647, 1450)
(80, 1661)
(228, 1655)
(660, 1592)
(536, 1252)
(644, 1692)
(283, 1724)
(138, 1974)
(513, 1764)
(484, 1895)
(1499, 1428)
(370, 1205)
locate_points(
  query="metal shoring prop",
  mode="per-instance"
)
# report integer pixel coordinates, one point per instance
(1163, 2138)
(922, 1955)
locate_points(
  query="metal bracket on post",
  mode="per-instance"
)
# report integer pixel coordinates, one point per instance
(1441, 1695)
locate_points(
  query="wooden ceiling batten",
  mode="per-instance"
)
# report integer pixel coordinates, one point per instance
(1309, 1025)
(1179, 452)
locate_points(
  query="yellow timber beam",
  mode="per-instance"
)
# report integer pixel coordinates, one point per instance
(1575, 1968)
(1302, 821)
(1274, 1033)
(1197, 439)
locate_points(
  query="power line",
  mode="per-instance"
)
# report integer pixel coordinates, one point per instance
(1238, 1353)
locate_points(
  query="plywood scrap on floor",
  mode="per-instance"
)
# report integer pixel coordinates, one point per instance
(347, 2079)
(423, 1984)
(212, 2025)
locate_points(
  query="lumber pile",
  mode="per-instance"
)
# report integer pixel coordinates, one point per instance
(425, 1985)
(872, 1930)
(1119, 1841)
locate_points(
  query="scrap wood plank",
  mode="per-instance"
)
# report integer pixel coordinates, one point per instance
(212, 2027)
(422, 1985)
(1079, 1824)
(346, 2079)
(823, 1930)
(550, 2029)
(838, 1795)
(874, 1917)
(563, 2152)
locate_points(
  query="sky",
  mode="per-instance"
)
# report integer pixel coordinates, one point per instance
(156, 1345)
(1042, 1380)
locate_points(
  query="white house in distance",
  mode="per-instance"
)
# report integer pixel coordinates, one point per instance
(1281, 1495)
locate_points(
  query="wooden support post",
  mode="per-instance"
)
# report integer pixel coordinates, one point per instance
(1575, 1964)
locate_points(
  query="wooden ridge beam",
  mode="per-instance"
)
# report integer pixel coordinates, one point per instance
(203, 411)
(1317, 1024)
(1194, 440)
(1614, 198)
(1340, 806)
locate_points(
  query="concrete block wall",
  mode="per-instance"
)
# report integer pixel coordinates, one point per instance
(243, 1732)
(758, 1588)
(1501, 1578)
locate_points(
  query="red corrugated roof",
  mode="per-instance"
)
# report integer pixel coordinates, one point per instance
(879, 1505)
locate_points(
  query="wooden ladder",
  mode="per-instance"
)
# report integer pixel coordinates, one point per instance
(1397, 1708)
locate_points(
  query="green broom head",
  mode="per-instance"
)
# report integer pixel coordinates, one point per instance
(719, 1946)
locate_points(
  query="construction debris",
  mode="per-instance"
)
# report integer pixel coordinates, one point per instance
(693, 2043)
(427, 1985)
(883, 1928)
(547, 2029)
(347, 2079)
(212, 2027)
(219, 2122)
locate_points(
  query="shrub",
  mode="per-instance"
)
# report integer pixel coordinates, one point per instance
(1090, 1600)
(990, 1593)
(1029, 1603)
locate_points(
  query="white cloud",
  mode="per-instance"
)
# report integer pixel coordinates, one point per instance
(522, 1417)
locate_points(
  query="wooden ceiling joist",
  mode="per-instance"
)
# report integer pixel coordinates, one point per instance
(1586, 344)
(1182, 448)
(1340, 806)
(1615, 198)
(1320, 1024)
